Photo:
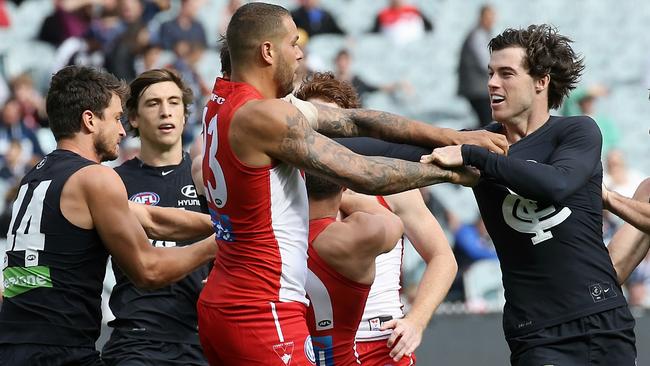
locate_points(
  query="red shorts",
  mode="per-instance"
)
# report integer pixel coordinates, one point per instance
(268, 334)
(376, 353)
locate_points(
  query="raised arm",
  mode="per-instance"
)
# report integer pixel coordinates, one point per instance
(424, 232)
(280, 131)
(336, 122)
(168, 223)
(125, 239)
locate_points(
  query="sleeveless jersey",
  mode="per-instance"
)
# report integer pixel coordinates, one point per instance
(53, 270)
(169, 313)
(336, 306)
(383, 301)
(260, 214)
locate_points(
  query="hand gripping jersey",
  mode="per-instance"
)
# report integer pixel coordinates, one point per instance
(383, 301)
(336, 306)
(260, 214)
(53, 270)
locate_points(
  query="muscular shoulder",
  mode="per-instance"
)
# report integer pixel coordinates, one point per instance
(267, 120)
(98, 179)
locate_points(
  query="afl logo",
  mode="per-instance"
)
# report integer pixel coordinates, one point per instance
(146, 198)
(324, 323)
(41, 163)
(189, 191)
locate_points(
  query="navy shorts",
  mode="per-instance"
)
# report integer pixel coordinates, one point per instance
(601, 339)
(127, 351)
(44, 355)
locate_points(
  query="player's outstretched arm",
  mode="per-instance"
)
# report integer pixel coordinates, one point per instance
(282, 132)
(125, 239)
(175, 224)
(636, 211)
(336, 122)
(629, 245)
(567, 170)
(424, 232)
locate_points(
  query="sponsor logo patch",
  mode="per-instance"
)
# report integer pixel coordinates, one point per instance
(146, 198)
(18, 280)
(189, 191)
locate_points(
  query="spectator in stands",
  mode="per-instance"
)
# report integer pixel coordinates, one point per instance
(608, 128)
(343, 63)
(132, 39)
(472, 243)
(618, 177)
(149, 58)
(30, 100)
(227, 13)
(188, 55)
(13, 130)
(402, 22)
(80, 51)
(185, 27)
(311, 17)
(71, 18)
(472, 67)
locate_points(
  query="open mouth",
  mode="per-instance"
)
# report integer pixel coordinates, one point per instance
(496, 99)
(166, 127)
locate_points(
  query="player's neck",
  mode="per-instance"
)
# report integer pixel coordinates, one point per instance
(79, 147)
(161, 155)
(324, 208)
(525, 124)
(261, 80)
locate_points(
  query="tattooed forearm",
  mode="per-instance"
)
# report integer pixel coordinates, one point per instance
(319, 155)
(336, 122)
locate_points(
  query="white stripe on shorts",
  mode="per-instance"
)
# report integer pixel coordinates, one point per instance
(277, 322)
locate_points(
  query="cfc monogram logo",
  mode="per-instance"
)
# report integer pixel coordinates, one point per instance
(524, 216)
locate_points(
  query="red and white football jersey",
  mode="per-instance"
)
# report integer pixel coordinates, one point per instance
(336, 306)
(260, 214)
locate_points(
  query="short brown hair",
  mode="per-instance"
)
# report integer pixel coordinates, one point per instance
(547, 53)
(75, 89)
(251, 25)
(323, 85)
(155, 76)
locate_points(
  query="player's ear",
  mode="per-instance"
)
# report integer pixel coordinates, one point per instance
(542, 83)
(88, 121)
(266, 52)
(133, 121)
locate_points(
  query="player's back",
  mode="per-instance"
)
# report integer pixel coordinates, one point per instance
(53, 269)
(259, 213)
(336, 306)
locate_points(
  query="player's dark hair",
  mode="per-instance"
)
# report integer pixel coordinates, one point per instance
(324, 86)
(320, 188)
(140, 84)
(224, 56)
(75, 89)
(251, 25)
(547, 53)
